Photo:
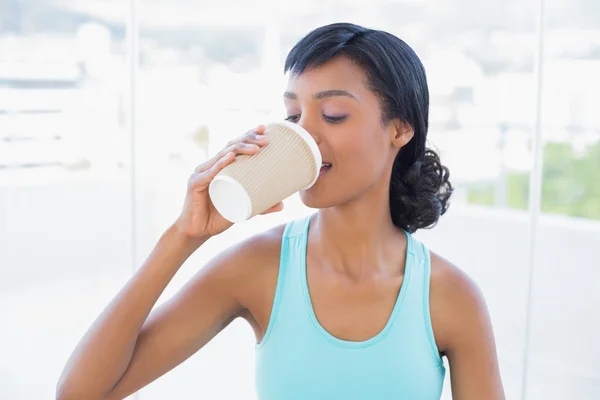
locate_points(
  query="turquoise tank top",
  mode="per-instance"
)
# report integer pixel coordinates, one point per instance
(299, 360)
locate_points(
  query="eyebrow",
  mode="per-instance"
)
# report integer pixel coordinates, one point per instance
(323, 95)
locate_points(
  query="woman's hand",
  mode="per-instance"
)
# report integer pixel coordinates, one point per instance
(199, 218)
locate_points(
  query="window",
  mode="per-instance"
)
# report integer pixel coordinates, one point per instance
(95, 152)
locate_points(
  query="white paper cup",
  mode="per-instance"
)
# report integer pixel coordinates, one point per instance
(289, 163)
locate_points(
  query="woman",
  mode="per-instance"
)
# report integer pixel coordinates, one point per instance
(345, 304)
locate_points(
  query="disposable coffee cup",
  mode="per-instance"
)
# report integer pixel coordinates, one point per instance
(251, 184)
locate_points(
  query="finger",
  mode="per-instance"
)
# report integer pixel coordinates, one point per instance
(237, 149)
(255, 136)
(276, 208)
(202, 179)
(219, 165)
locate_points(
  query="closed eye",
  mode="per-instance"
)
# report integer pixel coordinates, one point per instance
(293, 118)
(330, 119)
(335, 120)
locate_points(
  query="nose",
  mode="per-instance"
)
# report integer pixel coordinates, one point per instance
(311, 128)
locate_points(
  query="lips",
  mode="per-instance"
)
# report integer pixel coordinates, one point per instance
(324, 168)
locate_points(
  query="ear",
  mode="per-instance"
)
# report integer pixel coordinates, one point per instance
(401, 133)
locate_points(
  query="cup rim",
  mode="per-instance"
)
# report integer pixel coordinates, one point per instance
(226, 208)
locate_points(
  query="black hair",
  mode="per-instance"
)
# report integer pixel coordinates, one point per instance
(420, 188)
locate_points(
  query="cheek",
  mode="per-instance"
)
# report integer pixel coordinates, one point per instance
(354, 142)
(362, 154)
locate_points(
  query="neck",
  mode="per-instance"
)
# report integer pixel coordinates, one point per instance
(359, 238)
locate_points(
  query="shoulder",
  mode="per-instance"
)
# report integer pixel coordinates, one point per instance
(256, 248)
(251, 254)
(456, 302)
(245, 268)
(463, 332)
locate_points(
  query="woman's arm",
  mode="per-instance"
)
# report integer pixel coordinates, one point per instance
(464, 333)
(106, 363)
(125, 349)
(128, 346)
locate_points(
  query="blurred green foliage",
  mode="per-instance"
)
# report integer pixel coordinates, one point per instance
(571, 184)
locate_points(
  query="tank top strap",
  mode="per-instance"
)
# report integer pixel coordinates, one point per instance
(418, 249)
(418, 290)
(288, 302)
(297, 227)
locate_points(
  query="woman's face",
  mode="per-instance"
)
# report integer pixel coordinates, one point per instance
(333, 103)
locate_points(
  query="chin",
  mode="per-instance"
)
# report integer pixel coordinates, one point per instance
(315, 198)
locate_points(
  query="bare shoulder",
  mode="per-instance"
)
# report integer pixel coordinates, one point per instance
(243, 262)
(463, 332)
(256, 248)
(456, 302)
(248, 272)
(450, 281)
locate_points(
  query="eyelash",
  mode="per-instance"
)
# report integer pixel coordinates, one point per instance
(331, 120)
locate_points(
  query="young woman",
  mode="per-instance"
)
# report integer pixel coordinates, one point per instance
(345, 304)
